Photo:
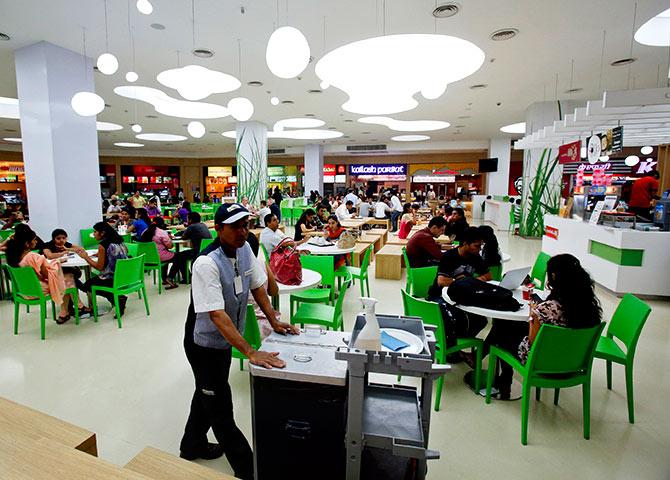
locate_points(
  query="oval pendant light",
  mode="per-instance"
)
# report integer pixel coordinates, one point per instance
(287, 53)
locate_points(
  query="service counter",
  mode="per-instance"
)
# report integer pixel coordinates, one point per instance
(621, 260)
(497, 213)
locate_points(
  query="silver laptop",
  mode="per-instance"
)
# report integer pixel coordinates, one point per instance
(514, 278)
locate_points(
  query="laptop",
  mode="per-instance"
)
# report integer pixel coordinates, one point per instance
(514, 278)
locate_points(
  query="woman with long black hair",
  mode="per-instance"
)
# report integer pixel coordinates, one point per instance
(304, 224)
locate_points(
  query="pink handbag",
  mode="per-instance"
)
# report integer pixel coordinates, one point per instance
(285, 264)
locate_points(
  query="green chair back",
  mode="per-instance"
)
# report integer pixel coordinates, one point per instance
(213, 232)
(196, 207)
(338, 319)
(496, 272)
(25, 282)
(132, 249)
(150, 252)
(129, 273)
(430, 313)
(324, 264)
(408, 270)
(127, 237)
(205, 242)
(252, 334)
(265, 252)
(539, 271)
(563, 351)
(86, 240)
(365, 263)
(629, 317)
(422, 279)
(5, 234)
(286, 214)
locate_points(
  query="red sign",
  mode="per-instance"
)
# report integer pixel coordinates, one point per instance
(329, 170)
(570, 152)
(551, 232)
(341, 170)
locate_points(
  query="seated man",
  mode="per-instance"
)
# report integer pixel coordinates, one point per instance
(342, 212)
(456, 224)
(264, 210)
(422, 249)
(271, 236)
(196, 232)
(464, 261)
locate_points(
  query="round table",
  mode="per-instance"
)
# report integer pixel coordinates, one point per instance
(520, 315)
(310, 279)
(330, 250)
(77, 261)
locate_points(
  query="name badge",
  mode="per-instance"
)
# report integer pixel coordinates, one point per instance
(248, 272)
(238, 285)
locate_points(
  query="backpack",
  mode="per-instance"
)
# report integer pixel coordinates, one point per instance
(469, 291)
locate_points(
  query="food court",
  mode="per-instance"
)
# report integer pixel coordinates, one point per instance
(411, 240)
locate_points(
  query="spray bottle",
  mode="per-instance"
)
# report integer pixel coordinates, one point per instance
(370, 337)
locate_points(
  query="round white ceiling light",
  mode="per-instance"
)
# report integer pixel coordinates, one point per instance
(160, 137)
(306, 134)
(646, 150)
(9, 108)
(129, 144)
(132, 77)
(287, 53)
(230, 134)
(274, 101)
(381, 75)
(137, 128)
(107, 64)
(297, 123)
(324, 85)
(406, 125)
(144, 7)
(13, 139)
(517, 128)
(196, 129)
(632, 160)
(410, 138)
(241, 108)
(87, 104)
(107, 126)
(654, 32)
(173, 107)
(194, 82)
(604, 158)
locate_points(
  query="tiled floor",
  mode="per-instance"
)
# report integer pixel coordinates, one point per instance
(133, 387)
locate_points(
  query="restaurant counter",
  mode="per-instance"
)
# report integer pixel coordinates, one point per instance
(621, 260)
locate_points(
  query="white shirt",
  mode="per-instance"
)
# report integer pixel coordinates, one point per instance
(206, 283)
(395, 203)
(353, 197)
(271, 239)
(342, 213)
(262, 213)
(380, 210)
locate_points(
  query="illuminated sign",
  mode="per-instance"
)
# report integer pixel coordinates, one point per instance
(219, 171)
(434, 179)
(329, 170)
(381, 169)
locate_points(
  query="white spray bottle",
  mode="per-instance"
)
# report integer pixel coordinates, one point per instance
(370, 337)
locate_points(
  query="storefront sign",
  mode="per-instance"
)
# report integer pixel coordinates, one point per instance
(434, 179)
(569, 153)
(340, 179)
(232, 179)
(275, 171)
(646, 167)
(329, 170)
(219, 171)
(551, 232)
(381, 169)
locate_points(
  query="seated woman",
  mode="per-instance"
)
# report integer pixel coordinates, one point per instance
(110, 249)
(304, 224)
(156, 233)
(152, 208)
(572, 303)
(407, 221)
(491, 249)
(333, 232)
(50, 274)
(140, 224)
(182, 213)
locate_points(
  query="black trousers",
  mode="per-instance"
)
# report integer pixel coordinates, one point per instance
(468, 324)
(212, 407)
(106, 282)
(506, 334)
(177, 265)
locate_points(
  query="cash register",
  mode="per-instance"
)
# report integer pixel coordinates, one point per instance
(662, 212)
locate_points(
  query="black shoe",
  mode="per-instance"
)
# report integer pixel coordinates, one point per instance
(211, 451)
(122, 305)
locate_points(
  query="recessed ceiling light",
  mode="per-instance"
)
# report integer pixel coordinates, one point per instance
(229, 134)
(310, 115)
(410, 138)
(459, 126)
(4, 37)
(287, 102)
(129, 144)
(623, 61)
(274, 101)
(478, 86)
(332, 128)
(151, 116)
(203, 53)
(160, 137)
(255, 83)
(348, 120)
(12, 139)
(157, 26)
(574, 90)
(314, 90)
(11, 130)
(463, 117)
(514, 128)
(144, 7)
(446, 10)
(504, 34)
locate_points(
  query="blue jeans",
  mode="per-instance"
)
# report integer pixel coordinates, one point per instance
(395, 215)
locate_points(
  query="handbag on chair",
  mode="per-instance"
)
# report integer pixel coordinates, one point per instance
(285, 264)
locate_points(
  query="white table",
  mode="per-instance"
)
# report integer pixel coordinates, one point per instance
(77, 261)
(331, 250)
(310, 279)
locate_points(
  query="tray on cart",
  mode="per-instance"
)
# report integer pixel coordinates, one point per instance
(391, 415)
(413, 325)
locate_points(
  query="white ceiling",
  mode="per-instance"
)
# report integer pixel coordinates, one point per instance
(518, 72)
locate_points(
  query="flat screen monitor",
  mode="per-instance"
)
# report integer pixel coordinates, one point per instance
(488, 165)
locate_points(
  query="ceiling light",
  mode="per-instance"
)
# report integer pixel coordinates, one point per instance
(381, 75)
(132, 77)
(13, 139)
(622, 62)
(255, 83)
(194, 82)
(314, 90)
(107, 64)
(582, 152)
(241, 108)
(160, 137)
(514, 128)
(107, 126)
(406, 125)
(573, 90)
(9, 108)
(324, 85)
(287, 102)
(604, 158)
(274, 101)
(306, 134)
(129, 144)
(632, 160)
(410, 138)
(144, 6)
(170, 106)
(230, 134)
(297, 123)
(4, 37)
(446, 10)
(157, 26)
(135, 127)
(196, 129)
(150, 116)
(646, 150)
(654, 32)
(287, 53)
(87, 104)
(504, 34)
(203, 53)
(478, 86)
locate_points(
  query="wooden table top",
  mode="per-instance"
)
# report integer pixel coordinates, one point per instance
(157, 464)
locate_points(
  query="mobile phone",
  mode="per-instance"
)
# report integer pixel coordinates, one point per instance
(536, 298)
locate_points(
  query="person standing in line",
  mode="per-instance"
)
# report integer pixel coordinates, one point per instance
(396, 212)
(223, 276)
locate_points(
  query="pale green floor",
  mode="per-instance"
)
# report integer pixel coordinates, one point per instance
(133, 387)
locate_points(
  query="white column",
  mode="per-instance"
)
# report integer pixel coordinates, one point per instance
(313, 169)
(497, 183)
(252, 161)
(60, 148)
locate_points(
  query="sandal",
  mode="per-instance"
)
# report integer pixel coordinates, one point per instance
(62, 320)
(171, 285)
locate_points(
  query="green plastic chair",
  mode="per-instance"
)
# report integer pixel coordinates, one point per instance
(5, 234)
(265, 253)
(204, 243)
(325, 265)
(496, 272)
(560, 357)
(252, 335)
(152, 261)
(431, 314)
(86, 240)
(408, 270)
(133, 249)
(296, 212)
(422, 279)
(127, 237)
(128, 278)
(539, 271)
(356, 273)
(26, 290)
(286, 215)
(327, 315)
(626, 326)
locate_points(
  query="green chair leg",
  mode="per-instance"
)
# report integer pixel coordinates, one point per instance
(74, 297)
(557, 392)
(629, 393)
(491, 372)
(117, 308)
(94, 304)
(43, 318)
(478, 368)
(16, 319)
(525, 400)
(438, 393)
(53, 310)
(586, 399)
(538, 393)
(241, 364)
(146, 300)
(609, 374)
